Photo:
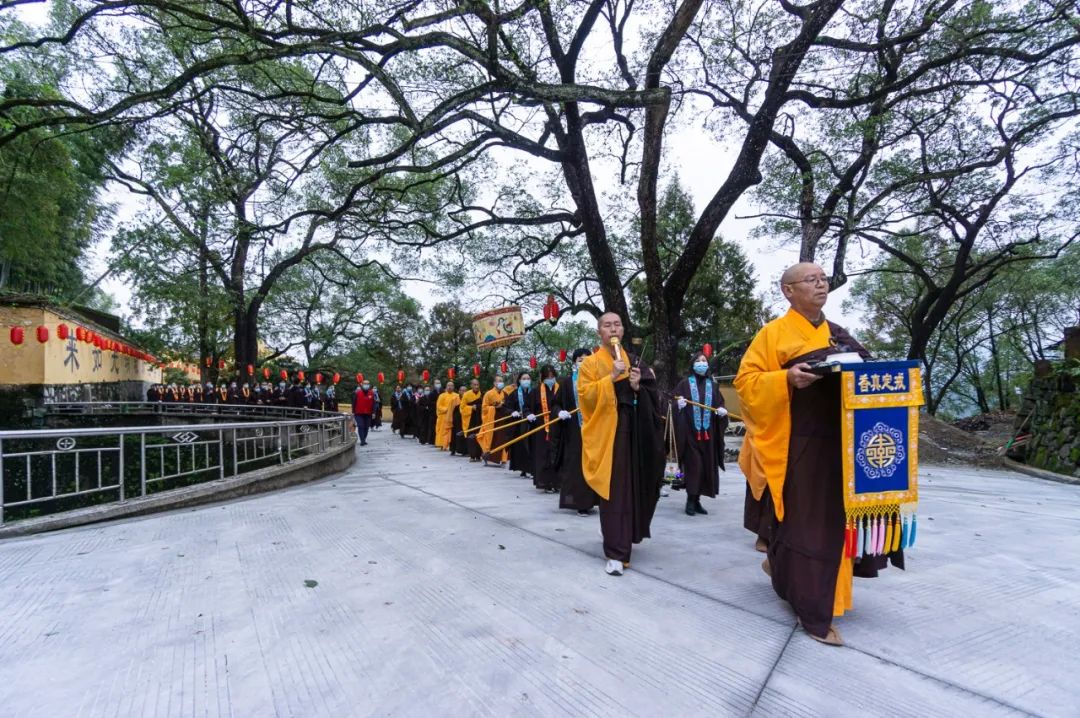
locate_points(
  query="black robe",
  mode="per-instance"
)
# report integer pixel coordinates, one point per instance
(423, 418)
(395, 412)
(701, 454)
(545, 476)
(520, 454)
(805, 550)
(458, 444)
(409, 414)
(637, 470)
(564, 453)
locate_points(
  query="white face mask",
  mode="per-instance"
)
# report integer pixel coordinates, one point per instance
(367, 386)
(499, 385)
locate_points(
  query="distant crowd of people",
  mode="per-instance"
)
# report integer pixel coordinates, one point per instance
(297, 394)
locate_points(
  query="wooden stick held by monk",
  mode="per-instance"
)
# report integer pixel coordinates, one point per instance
(530, 432)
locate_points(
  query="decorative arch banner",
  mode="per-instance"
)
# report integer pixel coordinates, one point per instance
(880, 421)
(498, 327)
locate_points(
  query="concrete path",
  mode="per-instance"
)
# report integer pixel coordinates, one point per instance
(420, 585)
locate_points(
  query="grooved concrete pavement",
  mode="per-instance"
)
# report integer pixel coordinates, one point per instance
(436, 587)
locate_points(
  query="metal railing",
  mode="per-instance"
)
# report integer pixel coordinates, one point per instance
(52, 470)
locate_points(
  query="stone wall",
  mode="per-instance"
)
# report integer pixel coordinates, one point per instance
(1054, 425)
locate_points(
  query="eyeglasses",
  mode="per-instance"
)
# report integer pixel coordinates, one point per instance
(820, 279)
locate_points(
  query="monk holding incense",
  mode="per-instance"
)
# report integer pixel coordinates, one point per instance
(622, 442)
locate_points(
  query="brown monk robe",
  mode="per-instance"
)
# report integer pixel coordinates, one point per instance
(622, 451)
(699, 434)
(792, 450)
(758, 518)
(565, 447)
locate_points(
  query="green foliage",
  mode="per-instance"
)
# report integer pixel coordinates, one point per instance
(722, 307)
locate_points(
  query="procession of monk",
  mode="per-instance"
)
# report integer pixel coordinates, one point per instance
(599, 437)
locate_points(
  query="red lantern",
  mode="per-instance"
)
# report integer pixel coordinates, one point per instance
(300, 375)
(318, 377)
(43, 334)
(251, 370)
(266, 373)
(381, 377)
(425, 375)
(359, 377)
(562, 355)
(504, 367)
(221, 364)
(401, 376)
(97, 342)
(80, 333)
(551, 309)
(208, 362)
(476, 370)
(532, 362)
(62, 332)
(451, 372)
(707, 350)
(337, 377)
(17, 335)
(284, 375)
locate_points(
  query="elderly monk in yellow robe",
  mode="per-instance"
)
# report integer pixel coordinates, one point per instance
(791, 455)
(444, 416)
(622, 451)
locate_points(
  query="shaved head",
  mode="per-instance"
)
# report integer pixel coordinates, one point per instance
(799, 271)
(607, 315)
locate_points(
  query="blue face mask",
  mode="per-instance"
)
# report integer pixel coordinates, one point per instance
(549, 382)
(367, 386)
(499, 385)
(427, 392)
(525, 383)
(700, 368)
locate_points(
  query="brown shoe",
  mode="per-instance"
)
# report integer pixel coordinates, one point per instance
(766, 567)
(761, 545)
(832, 638)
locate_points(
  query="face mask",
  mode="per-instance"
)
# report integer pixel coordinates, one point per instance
(525, 383)
(367, 386)
(499, 385)
(427, 392)
(438, 386)
(549, 382)
(700, 368)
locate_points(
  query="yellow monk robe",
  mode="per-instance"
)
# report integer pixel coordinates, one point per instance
(766, 403)
(599, 419)
(444, 416)
(467, 401)
(492, 398)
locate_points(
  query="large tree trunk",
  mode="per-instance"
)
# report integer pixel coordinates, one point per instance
(245, 341)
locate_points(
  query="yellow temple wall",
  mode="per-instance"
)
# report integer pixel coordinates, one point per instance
(58, 362)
